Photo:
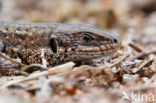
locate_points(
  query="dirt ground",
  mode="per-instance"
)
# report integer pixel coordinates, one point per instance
(129, 77)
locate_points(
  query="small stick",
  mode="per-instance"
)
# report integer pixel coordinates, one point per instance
(143, 54)
(135, 47)
(146, 61)
(54, 70)
(122, 59)
(26, 67)
(12, 60)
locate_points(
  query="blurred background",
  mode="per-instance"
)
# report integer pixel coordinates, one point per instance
(119, 16)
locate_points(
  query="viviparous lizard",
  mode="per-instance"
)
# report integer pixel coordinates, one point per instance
(59, 42)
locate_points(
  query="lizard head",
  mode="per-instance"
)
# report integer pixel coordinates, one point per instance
(78, 42)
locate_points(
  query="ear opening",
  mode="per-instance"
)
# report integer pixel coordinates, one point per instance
(53, 45)
(2, 47)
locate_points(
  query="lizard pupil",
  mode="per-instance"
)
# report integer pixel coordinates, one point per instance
(87, 37)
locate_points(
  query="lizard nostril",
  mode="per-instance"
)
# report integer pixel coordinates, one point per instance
(115, 41)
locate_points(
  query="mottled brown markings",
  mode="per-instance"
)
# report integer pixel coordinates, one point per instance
(73, 49)
(65, 51)
(25, 41)
(65, 56)
(21, 46)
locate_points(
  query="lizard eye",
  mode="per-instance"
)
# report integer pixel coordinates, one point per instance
(87, 37)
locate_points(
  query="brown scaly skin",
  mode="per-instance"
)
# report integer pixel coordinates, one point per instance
(59, 42)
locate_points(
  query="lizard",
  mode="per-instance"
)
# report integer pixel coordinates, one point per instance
(60, 42)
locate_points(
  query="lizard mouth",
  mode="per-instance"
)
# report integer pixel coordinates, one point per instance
(96, 52)
(102, 48)
(81, 56)
(86, 53)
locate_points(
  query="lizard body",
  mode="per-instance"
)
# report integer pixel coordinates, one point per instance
(59, 42)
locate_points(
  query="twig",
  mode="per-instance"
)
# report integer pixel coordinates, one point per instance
(51, 71)
(11, 60)
(123, 58)
(135, 47)
(26, 67)
(146, 61)
(143, 54)
(22, 66)
(44, 61)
